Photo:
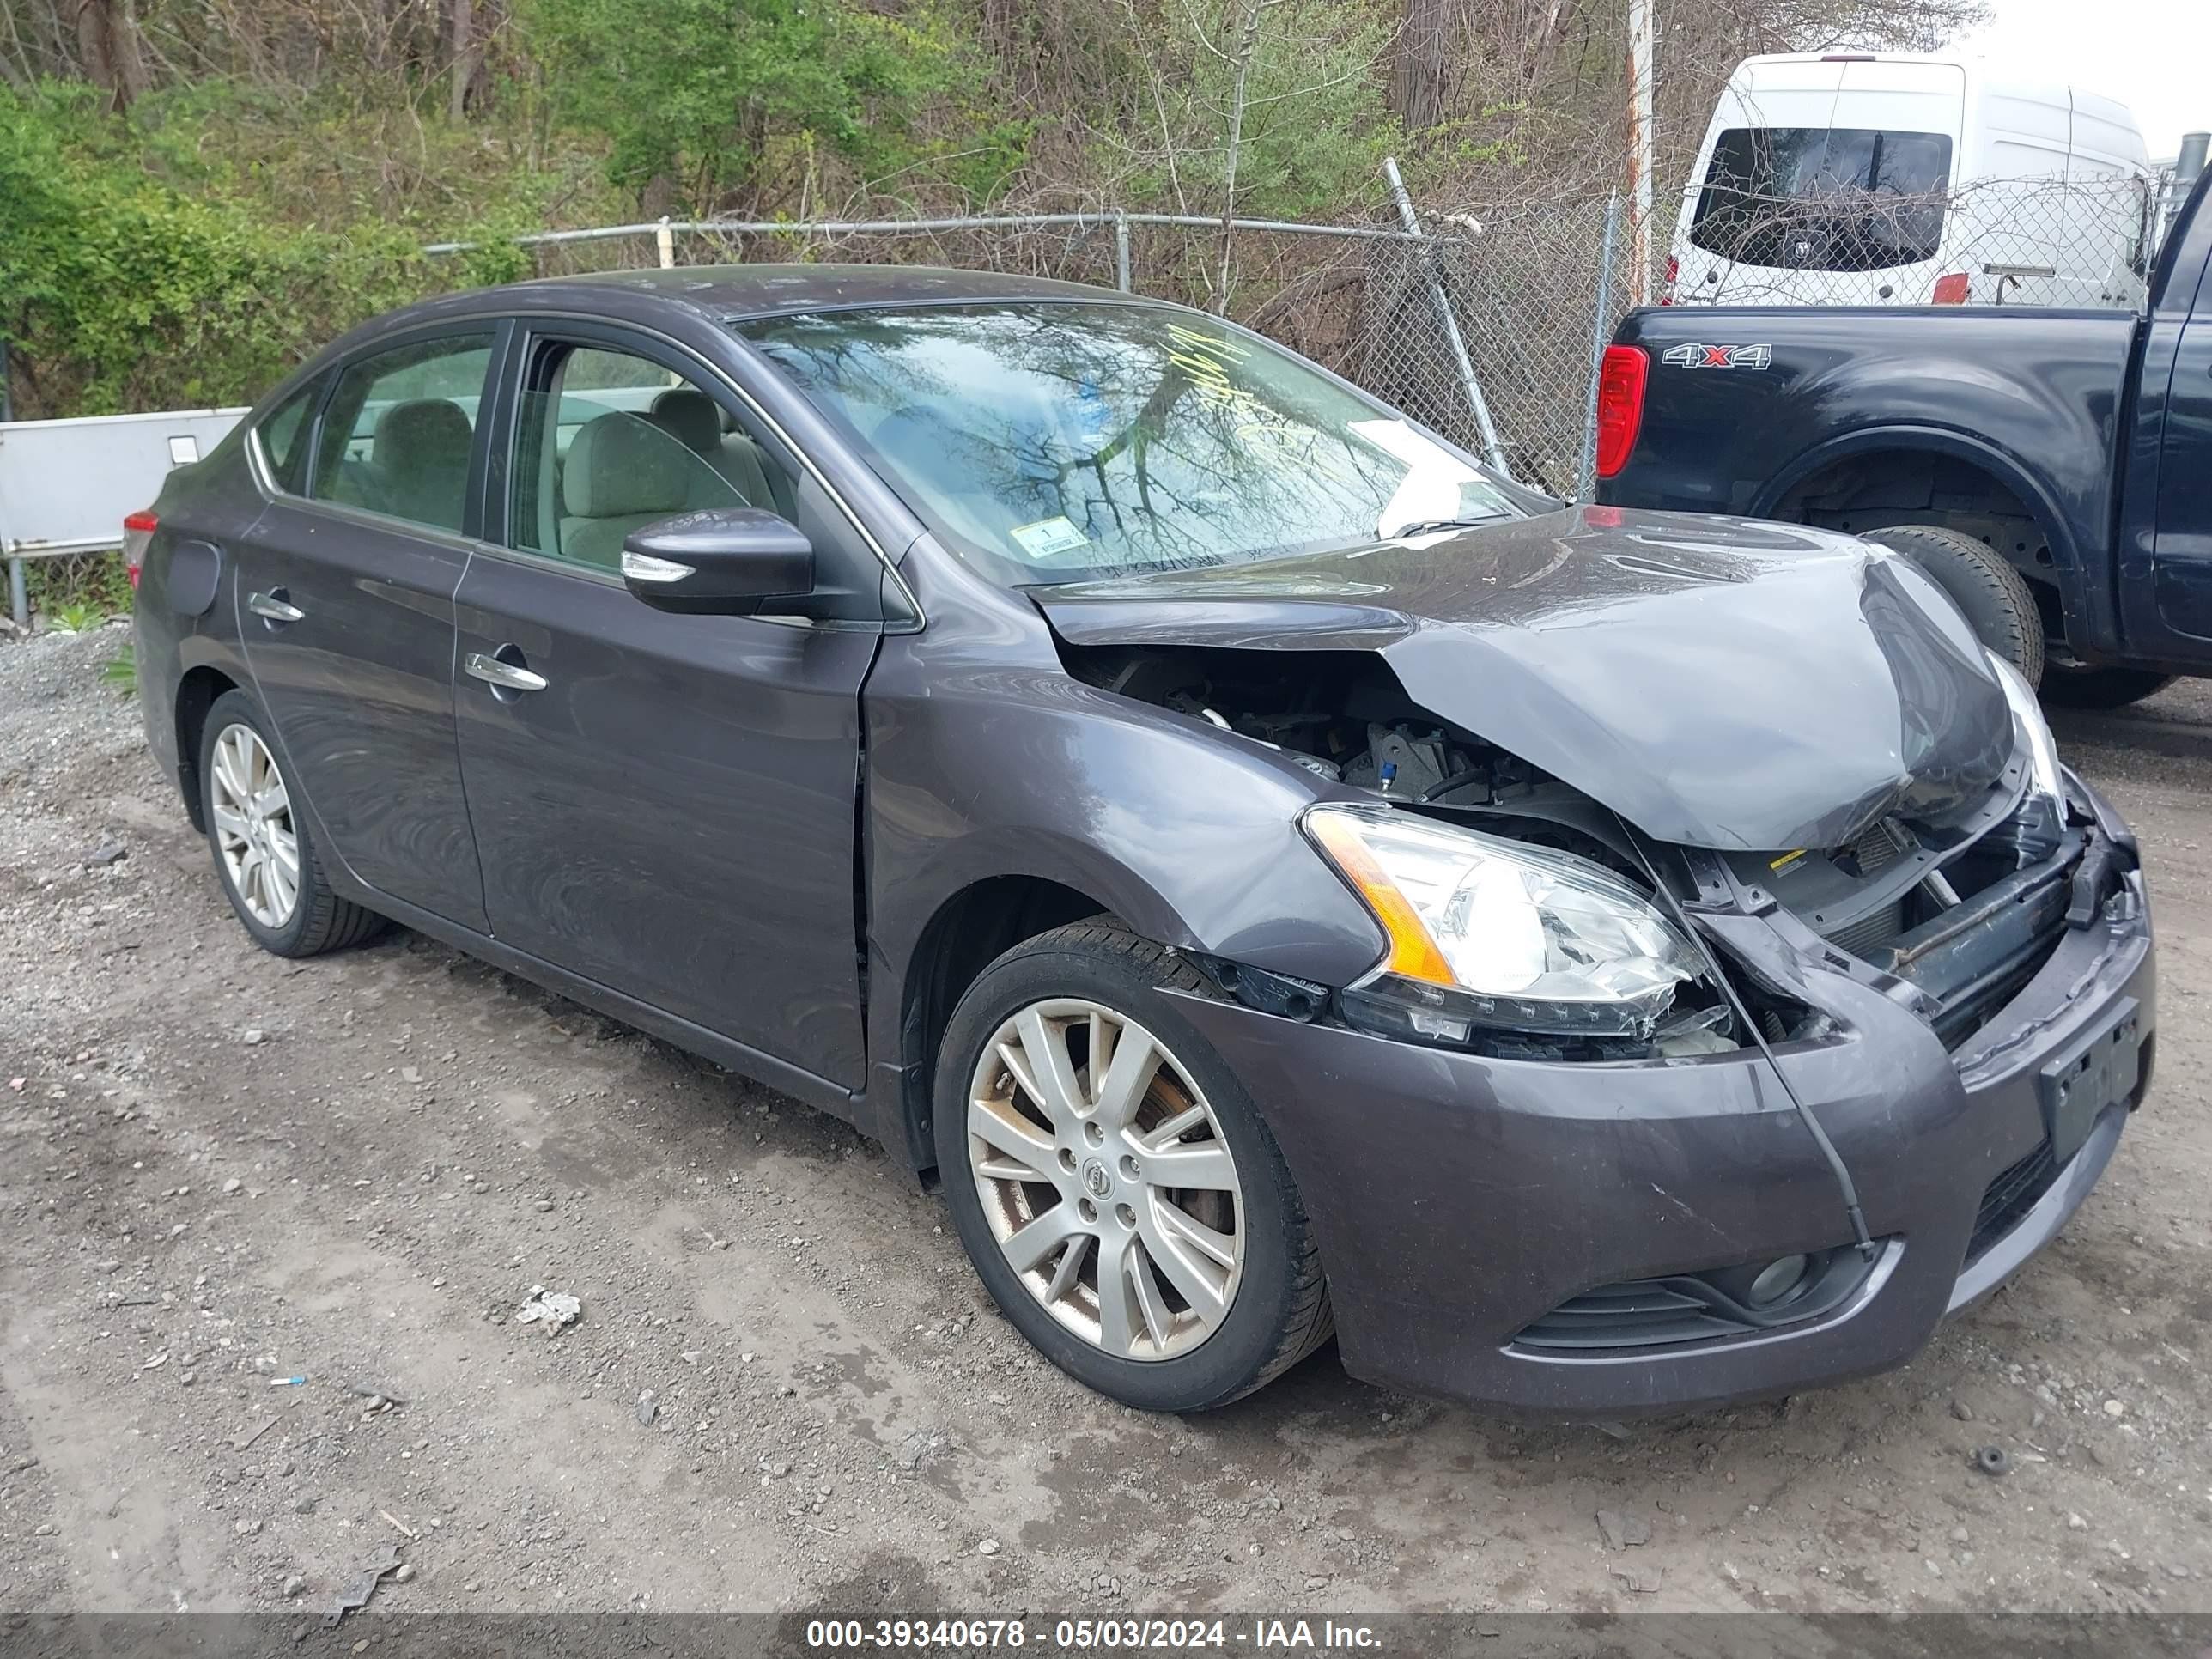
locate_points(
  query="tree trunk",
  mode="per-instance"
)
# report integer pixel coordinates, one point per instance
(1247, 42)
(463, 56)
(1422, 79)
(107, 42)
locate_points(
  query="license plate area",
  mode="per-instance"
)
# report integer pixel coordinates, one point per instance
(2094, 1072)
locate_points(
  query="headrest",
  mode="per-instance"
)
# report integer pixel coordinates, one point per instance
(425, 434)
(692, 416)
(621, 466)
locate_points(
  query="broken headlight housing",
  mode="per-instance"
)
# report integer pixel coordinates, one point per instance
(2040, 822)
(1487, 933)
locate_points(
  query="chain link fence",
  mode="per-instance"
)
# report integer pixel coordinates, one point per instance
(1487, 330)
(1490, 326)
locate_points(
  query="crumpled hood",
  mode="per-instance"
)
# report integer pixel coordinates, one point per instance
(1719, 683)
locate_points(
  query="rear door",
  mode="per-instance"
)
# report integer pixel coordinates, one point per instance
(345, 597)
(665, 804)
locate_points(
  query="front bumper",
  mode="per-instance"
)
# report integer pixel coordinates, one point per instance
(1458, 1199)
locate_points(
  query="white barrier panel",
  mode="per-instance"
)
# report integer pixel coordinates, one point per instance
(65, 486)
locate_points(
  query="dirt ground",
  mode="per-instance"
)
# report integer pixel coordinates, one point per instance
(221, 1171)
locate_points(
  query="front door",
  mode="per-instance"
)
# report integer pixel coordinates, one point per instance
(664, 804)
(345, 598)
(2181, 558)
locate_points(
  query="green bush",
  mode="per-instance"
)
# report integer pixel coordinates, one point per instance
(122, 291)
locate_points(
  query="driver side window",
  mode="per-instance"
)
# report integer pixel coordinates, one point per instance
(609, 442)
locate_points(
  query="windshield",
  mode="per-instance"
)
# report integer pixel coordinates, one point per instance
(1824, 198)
(1055, 442)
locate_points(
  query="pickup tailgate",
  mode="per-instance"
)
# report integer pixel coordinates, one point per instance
(1743, 404)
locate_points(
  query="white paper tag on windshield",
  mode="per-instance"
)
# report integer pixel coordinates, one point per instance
(1049, 538)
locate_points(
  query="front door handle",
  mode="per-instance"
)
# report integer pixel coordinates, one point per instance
(505, 675)
(275, 606)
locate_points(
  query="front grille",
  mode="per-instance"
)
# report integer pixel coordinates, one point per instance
(2007, 1198)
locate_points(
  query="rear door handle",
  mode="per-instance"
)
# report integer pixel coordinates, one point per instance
(276, 606)
(506, 675)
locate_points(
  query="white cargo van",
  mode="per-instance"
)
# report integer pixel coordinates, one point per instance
(1888, 180)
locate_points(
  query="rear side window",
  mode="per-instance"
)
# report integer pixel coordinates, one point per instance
(284, 435)
(396, 434)
(1824, 198)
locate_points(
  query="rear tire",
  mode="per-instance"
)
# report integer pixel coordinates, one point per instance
(2101, 688)
(1189, 1330)
(264, 855)
(1994, 596)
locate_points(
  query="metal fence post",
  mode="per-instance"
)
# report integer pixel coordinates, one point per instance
(19, 601)
(1121, 251)
(1586, 469)
(664, 242)
(1492, 450)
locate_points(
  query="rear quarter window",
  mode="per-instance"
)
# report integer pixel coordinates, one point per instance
(1824, 198)
(283, 435)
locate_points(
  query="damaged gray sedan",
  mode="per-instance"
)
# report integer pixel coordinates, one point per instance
(1278, 877)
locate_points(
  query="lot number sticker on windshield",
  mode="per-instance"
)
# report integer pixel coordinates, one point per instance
(1049, 538)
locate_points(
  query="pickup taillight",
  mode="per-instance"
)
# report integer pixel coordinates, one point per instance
(1620, 406)
(1951, 290)
(138, 535)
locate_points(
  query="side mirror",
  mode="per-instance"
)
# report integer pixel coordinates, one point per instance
(730, 562)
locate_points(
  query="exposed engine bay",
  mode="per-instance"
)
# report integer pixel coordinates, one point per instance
(1898, 899)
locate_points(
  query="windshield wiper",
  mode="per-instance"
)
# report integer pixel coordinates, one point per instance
(1429, 526)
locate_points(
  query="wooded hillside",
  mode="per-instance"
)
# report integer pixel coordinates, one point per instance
(194, 192)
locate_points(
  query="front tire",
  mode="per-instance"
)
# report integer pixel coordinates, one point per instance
(1112, 1181)
(264, 855)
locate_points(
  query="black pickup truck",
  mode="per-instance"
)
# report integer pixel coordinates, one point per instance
(2051, 469)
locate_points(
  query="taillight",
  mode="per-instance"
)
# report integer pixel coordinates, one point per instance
(1667, 289)
(1951, 290)
(138, 535)
(1620, 406)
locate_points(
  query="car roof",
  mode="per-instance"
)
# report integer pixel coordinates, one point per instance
(737, 291)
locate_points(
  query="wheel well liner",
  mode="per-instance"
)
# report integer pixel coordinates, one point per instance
(196, 694)
(2012, 484)
(967, 932)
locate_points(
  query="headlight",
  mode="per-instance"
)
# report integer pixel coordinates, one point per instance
(1493, 933)
(2027, 715)
(2039, 825)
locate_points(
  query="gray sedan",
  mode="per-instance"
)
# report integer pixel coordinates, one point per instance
(1278, 876)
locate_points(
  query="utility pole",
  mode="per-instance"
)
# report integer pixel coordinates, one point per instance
(1641, 25)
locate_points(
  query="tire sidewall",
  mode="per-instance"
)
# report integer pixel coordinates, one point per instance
(1226, 1364)
(1968, 571)
(236, 708)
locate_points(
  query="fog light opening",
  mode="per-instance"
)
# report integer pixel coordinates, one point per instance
(1777, 1280)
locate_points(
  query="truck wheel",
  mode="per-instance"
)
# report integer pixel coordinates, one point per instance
(2100, 688)
(1993, 596)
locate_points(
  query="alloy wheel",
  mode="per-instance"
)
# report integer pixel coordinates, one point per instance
(254, 832)
(1106, 1179)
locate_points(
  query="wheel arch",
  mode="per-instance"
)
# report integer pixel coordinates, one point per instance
(967, 932)
(197, 692)
(2010, 483)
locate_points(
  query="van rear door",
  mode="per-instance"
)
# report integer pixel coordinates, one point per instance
(1814, 196)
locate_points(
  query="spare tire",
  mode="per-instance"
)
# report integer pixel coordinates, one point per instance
(1994, 597)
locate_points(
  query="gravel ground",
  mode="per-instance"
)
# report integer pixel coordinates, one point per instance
(786, 1390)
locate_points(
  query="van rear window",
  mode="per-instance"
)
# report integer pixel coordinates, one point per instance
(1824, 198)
